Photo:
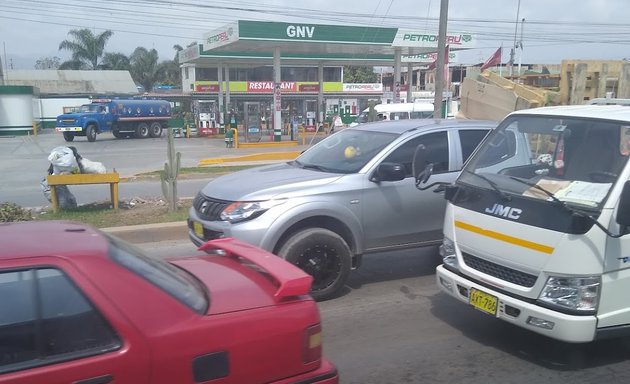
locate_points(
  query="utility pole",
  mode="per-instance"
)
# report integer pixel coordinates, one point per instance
(513, 50)
(439, 65)
(520, 45)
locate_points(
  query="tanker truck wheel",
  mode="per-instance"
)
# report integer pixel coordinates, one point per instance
(322, 254)
(142, 131)
(155, 130)
(90, 133)
(68, 136)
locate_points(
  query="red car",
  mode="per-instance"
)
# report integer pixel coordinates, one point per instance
(79, 306)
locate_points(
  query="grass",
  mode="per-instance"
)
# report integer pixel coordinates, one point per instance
(210, 171)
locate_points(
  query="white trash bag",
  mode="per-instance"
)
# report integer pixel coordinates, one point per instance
(89, 166)
(63, 160)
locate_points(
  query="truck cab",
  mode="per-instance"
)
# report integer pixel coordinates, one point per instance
(541, 241)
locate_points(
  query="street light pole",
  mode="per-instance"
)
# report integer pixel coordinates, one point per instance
(439, 65)
(512, 51)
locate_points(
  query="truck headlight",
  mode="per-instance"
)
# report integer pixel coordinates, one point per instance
(247, 210)
(447, 251)
(574, 293)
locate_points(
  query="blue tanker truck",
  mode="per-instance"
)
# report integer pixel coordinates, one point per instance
(139, 118)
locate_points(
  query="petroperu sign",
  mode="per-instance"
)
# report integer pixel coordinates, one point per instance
(268, 86)
(220, 37)
(427, 58)
(407, 38)
(363, 88)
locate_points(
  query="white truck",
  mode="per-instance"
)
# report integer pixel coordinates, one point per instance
(542, 241)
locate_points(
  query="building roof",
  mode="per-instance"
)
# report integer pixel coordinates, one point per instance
(71, 82)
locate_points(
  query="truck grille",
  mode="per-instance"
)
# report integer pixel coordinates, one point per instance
(208, 208)
(68, 121)
(499, 271)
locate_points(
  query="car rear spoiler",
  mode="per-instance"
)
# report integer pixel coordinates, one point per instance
(292, 281)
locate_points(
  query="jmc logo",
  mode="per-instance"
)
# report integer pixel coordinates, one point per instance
(505, 211)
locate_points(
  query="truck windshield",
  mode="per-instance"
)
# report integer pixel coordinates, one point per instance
(88, 108)
(573, 160)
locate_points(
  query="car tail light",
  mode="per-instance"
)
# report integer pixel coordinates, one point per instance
(312, 349)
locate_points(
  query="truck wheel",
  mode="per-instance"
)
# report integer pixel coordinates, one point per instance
(90, 133)
(142, 131)
(117, 134)
(68, 136)
(322, 254)
(155, 130)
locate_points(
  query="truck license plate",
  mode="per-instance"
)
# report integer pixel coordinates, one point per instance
(66, 129)
(483, 301)
(198, 228)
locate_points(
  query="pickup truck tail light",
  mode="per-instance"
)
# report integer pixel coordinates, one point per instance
(312, 349)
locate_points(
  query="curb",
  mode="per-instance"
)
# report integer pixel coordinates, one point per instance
(150, 233)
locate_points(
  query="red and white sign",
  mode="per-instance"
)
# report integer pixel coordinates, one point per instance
(363, 88)
(268, 86)
(207, 88)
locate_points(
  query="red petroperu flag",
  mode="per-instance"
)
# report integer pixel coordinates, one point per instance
(495, 59)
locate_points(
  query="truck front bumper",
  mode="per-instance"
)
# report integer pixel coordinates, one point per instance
(564, 327)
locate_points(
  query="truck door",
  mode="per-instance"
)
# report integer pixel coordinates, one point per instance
(106, 117)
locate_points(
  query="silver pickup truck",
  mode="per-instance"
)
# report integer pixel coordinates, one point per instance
(348, 195)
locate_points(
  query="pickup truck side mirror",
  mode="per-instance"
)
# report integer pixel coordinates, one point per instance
(389, 172)
(623, 211)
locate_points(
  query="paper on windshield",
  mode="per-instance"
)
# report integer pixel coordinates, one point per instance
(552, 186)
(583, 192)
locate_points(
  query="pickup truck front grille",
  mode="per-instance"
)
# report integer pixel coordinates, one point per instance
(208, 208)
(68, 121)
(504, 273)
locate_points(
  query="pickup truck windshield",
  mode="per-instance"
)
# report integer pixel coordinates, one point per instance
(347, 151)
(573, 160)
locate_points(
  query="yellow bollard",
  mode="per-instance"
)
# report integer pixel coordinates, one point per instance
(34, 128)
(235, 135)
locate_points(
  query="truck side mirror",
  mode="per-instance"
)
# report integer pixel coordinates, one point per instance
(419, 167)
(623, 210)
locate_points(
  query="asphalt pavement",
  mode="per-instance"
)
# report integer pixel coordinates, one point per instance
(23, 164)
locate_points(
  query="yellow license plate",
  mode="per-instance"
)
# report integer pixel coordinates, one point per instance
(483, 301)
(198, 228)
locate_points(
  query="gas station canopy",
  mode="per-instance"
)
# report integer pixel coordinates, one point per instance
(246, 43)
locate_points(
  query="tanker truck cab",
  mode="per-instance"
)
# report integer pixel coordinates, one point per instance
(542, 241)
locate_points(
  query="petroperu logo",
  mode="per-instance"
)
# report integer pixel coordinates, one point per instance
(365, 87)
(450, 39)
(505, 211)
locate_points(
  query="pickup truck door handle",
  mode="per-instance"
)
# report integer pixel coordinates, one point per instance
(96, 380)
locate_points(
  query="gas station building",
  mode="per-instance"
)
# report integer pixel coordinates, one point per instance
(268, 75)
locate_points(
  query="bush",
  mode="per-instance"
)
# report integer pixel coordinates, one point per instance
(13, 212)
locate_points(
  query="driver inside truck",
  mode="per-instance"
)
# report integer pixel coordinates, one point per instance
(103, 109)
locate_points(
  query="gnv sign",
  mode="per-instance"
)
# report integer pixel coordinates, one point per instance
(300, 31)
(505, 211)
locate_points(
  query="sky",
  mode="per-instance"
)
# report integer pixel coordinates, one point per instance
(548, 31)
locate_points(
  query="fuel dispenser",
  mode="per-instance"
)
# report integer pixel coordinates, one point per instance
(207, 113)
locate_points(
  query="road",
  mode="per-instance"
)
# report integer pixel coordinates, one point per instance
(392, 325)
(24, 163)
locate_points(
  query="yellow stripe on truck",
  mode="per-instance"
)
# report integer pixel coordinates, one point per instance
(503, 237)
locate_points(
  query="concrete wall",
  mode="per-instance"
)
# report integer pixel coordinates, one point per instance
(18, 106)
(584, 80)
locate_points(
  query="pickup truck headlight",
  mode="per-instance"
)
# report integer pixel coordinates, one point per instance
(574, 293)
(247, 210)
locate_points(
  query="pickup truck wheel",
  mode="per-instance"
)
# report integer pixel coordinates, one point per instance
(155, 130)
(68, 136)
(142, 131)
(322, 254)
(90, 133)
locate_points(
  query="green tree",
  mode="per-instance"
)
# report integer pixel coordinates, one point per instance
(47, 62)
(354, 74)
(144, 67)
(115, 61)
(86, 47)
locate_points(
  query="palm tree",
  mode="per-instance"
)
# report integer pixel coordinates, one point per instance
(86, 48)
(144, 67)
(116, 62)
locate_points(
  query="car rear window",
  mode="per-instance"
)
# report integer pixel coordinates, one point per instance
(172, 280)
